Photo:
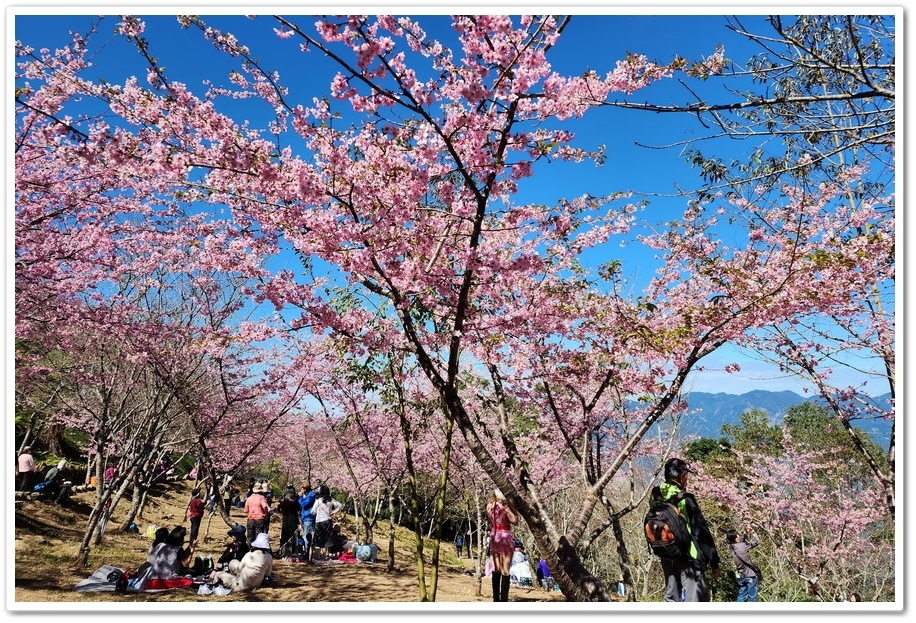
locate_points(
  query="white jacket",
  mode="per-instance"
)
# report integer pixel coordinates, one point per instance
(247, 573)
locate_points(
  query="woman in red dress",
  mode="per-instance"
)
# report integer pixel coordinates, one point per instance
(502, 543)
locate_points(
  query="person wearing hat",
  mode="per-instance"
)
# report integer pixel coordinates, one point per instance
(685, 579)
(257, 511)
(237, 546)
(25, 468)
(250, 571)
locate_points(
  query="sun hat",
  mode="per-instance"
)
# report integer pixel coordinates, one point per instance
(262, 541)
(238, 531)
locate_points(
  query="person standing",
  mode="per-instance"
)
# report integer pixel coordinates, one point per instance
(290, 510)
(195, 514)
(748, 573)
(227, 493)
(685, 579)
(306, 503)
(467, 543)
(257, 511)
(459, 544)
(325, 508)
(502, 543)
(25, 466)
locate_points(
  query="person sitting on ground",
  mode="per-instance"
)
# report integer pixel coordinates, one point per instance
(250, 571)
(519, 570)
(236, 548)
(161, 535)
(55, 486)
(170, 558)
(337, 544)
(235, 498)
(545, 580)
(111, 472)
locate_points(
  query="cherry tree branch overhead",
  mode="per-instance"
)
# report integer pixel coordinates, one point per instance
(347, 225)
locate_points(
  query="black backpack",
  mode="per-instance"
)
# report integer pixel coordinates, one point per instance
(666, 529)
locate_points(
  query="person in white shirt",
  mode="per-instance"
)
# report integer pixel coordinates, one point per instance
(325, 508)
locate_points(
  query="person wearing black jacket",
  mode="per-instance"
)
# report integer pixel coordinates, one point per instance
(685, 579)
(236, 548)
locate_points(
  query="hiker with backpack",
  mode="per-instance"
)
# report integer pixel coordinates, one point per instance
(748, 573)
(678, 534)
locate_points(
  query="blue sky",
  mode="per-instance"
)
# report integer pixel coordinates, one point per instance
(591, 41)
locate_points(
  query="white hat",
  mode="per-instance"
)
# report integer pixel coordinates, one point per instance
(499, 495)
(261, 541)
(62, 464)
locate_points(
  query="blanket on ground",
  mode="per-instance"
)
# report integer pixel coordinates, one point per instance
(99, 581)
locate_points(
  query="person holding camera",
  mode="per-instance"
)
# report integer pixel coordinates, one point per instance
(748, 575)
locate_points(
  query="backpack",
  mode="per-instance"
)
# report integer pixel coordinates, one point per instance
(43, 487)
(666, 529)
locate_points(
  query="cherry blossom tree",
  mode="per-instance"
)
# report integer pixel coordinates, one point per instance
(811, 520)
(540, 366)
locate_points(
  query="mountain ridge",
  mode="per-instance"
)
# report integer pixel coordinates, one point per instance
(709, 411)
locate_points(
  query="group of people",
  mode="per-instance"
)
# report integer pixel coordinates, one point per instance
(53, 487)
(685, 578)
(306, 527)
(241, 567)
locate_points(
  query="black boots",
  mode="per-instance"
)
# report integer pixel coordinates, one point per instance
(500, 587)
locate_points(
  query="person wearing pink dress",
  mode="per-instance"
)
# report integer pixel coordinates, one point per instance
(502, 543)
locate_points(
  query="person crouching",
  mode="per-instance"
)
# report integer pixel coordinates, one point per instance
(250, 571)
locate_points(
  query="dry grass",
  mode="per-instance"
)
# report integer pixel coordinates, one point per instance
(48, 537)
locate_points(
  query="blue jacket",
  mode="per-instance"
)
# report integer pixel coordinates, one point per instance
(306, 502)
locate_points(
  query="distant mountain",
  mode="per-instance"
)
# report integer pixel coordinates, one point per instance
(714, 410)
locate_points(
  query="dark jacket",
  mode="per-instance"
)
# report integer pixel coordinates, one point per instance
(703, 549)
(234, 551)
(742, 557)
